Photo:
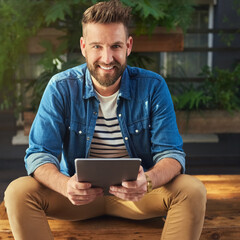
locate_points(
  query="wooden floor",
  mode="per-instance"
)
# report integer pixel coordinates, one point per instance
(222, 221)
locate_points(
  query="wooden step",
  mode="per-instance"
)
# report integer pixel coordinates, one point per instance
(221, 186)
(222, 221)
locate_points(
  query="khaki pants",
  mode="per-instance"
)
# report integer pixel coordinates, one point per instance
(183, 201)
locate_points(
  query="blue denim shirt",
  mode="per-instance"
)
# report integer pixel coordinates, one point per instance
(66, 119)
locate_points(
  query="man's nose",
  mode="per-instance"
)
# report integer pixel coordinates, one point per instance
(107, 56)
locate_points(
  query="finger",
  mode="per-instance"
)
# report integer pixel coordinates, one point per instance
(82, 185)
(120, 189)
(127, 196)
(83, 199)
(140, 169)
(86, 192)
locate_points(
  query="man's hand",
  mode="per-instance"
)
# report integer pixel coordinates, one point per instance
(131, 190)
(81, 193)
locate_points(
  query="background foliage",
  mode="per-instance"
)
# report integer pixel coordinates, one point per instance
(219, 90)
(20, 20)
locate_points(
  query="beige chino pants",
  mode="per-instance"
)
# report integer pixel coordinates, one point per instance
(183, 201)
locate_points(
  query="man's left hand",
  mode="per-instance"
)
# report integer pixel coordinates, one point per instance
(131, 190)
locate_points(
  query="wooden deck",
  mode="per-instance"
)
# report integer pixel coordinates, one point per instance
(222, 221)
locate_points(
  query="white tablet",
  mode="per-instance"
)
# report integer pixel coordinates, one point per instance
(106, 172)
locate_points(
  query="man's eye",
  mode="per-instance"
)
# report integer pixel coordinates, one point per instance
(96, 46)
(116, 46)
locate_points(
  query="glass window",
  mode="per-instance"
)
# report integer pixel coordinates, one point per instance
(188, 64)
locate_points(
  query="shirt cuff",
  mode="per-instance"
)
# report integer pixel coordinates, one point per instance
(35, 160)
(175, 154)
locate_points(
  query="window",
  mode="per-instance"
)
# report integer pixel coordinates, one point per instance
(188, 64)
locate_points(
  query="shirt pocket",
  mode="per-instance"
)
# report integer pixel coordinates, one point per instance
(77, 140)
(78, 128)
(139, 127)
(140, 136)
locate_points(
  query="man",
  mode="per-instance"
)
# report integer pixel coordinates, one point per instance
(73, 119)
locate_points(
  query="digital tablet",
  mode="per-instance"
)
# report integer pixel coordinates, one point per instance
(106, 172)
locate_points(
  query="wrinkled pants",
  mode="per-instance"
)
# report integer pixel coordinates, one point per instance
(183, 201)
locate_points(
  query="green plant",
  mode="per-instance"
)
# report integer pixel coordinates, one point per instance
(220, 89)
(21, 20)
(191, 99)
(52, 63)
(148, 14)
(223, 86)
(18, 23)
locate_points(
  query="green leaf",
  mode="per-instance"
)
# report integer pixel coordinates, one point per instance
(57, 11)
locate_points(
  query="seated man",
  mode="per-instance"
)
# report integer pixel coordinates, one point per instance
(105, 108)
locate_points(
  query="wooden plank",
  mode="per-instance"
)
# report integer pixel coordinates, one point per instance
(64, 231)
(221, 186)
(3, 213)
(162, 40)
(220, 234)
(222, 207)
(208, 122)
(172, 42)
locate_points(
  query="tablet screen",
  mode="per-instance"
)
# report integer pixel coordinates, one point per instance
(105, 172)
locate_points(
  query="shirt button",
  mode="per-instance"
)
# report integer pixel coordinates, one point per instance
(94, 113)
(88, 138)
(69, 128)
(119, 114)
(126, 138)
(80, 132)
(136, 131)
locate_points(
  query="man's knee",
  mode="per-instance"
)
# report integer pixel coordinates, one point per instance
(193, 193)
(19, 190)
(189, 188)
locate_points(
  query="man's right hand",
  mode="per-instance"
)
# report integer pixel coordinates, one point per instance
(81, 193)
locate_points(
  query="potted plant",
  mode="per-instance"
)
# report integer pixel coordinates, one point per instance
(211, 106)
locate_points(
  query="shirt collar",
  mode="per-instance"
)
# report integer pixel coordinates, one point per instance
(124, 91)
(89, 90)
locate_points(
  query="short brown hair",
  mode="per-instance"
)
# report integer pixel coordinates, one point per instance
(107, 12)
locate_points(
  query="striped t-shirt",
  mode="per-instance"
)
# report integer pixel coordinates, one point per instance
(107, 140)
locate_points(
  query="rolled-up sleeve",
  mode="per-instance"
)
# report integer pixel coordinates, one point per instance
(47, 132)
(35, 160)
(175, 154)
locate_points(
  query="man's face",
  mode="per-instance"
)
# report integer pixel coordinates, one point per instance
(106, 47)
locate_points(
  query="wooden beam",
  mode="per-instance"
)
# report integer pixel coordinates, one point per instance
(162, 40)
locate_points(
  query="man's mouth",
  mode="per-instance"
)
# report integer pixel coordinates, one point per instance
(106, 68)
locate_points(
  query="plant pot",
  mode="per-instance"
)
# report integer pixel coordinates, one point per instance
(28, 118)
(197, 122)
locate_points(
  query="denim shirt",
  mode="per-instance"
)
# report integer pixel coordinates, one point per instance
(66, 119)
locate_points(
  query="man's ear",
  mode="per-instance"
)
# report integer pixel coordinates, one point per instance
(82, 46)
(129, 45)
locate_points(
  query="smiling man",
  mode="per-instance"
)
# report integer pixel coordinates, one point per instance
(105, 47)
(103, 109)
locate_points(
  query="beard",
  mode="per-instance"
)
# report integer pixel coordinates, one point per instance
(106, 79)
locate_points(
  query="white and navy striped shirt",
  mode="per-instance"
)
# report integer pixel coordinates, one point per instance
(107, 140)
